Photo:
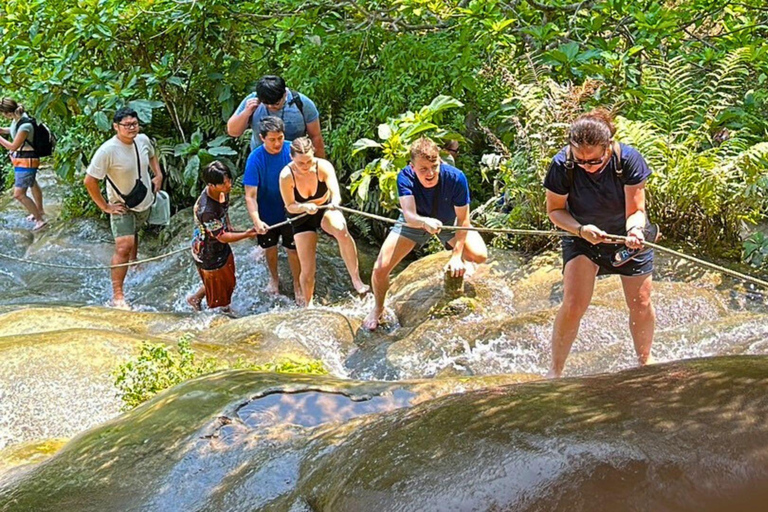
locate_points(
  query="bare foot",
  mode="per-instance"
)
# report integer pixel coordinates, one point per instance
(296, 290)
(119, 304)
(196, 302)
(273, 287)
(227, 311)
(552, 374)
(470, 269)
(648, 360)
(362, 290)
(371, 322)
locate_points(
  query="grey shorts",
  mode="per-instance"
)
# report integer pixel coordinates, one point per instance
(129, 223)
(421, 236)
(24, 177)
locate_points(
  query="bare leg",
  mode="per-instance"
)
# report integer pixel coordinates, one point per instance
(293, 262)
(475, 250)
(20, 194)
(196, 299)
(125, 246)
(270, 254)
(306, 247)
(334, 224)
(394, 249)
(642, 314)
(37, 196)
(578, 285)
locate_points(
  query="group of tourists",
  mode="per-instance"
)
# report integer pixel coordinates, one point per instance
(594, 188)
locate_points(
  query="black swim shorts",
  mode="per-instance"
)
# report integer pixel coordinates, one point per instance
(269, 239)
(602, 255)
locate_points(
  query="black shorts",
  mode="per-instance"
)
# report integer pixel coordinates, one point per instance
(602, 255)
(269, 239)
(308, 223)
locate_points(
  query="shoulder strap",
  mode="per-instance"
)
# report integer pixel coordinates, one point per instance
(296, 100)
(619, 166)
(569, 165)
(138, 164)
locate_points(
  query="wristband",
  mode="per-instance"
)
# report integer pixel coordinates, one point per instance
(634, 227)
(579, 232)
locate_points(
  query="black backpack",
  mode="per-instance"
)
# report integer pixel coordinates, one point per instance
(44, 141)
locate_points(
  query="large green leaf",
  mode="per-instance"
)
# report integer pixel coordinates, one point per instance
(222, 150)
(191, 170)
(102, 121)
(144, 108)
(363, 144)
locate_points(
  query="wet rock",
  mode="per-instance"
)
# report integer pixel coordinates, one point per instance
(195, 446)
(691, 435)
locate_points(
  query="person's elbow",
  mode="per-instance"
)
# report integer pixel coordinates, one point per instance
(233, 128)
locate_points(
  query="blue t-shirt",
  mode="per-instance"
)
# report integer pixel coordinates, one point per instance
(452, 187)
(295, 124)
(262, 170)
(598, 198)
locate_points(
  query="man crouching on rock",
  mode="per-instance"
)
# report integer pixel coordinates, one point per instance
(432, 194)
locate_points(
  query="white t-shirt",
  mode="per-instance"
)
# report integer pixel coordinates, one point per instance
(118, 161)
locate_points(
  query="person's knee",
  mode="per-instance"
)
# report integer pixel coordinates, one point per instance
(573, 308)
(19, 193)
(125, 248)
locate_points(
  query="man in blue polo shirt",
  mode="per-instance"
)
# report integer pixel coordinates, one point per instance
(264, 202)
(432, 194)
(273, 98)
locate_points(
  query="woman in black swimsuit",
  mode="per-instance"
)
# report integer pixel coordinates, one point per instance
(306, 184)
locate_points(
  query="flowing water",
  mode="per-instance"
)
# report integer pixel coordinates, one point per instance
(59, 344)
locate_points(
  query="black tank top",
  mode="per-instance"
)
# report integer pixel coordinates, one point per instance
(322, 189)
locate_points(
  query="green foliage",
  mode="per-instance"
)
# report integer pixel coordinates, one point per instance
(6, 175)
(157, 368)
(755, 251)
(396, 136)
(679, 75)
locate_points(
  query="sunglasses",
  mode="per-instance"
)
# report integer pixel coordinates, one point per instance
(598, 161)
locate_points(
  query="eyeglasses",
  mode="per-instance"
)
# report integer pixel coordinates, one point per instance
(598, 161)
(130, 126)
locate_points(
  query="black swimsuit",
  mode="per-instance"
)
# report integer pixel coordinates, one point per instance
(308, 222)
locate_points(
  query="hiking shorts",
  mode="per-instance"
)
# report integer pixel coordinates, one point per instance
(420, 236)
(602, 255)
(129, 223)
(24, 177)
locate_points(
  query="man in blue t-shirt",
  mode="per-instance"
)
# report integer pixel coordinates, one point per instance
(432, 194)
(273, 98)
(264, 202)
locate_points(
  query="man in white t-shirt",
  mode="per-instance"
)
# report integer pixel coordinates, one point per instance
(124, 161)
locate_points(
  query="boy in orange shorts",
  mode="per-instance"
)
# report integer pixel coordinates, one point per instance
(213, 234)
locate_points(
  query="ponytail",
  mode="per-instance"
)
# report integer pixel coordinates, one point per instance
(9, 106)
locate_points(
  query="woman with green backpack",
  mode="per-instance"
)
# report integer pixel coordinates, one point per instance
(25, 159)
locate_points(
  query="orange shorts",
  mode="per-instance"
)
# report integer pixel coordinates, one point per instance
(219, 284)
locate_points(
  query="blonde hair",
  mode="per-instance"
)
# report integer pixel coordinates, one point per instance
(302, 146)
(426, 148)
(9, 106)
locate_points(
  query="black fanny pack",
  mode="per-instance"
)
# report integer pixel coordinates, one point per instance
(139, 191)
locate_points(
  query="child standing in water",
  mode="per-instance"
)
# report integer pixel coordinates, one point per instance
(25, 160)
(213, 234)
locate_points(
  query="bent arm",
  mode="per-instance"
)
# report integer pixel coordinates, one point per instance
(252, 204)
(559, 214)
(286, 192)
(332, 182)
(94, 190)
(413, 219)
(634, 200)
(314, 133)
(462, 219)
(18, 142)
(238, 123)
